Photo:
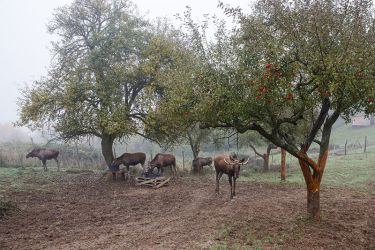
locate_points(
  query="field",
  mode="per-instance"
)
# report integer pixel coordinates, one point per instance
(77, 209)
(81, 211)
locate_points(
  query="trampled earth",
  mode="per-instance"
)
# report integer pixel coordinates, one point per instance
(80, 211)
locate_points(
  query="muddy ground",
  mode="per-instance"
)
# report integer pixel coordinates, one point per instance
(78, 211)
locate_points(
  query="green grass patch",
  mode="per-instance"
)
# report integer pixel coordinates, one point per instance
(355, 170)
(25, 179)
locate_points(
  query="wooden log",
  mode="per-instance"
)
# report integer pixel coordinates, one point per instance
(162, 183)
(145, 182)
(151, 182)
(149, 185)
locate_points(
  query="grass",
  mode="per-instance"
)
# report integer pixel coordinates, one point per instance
(25, 179)
(356, 170)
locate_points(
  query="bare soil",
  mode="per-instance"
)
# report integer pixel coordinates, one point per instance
(79, 211)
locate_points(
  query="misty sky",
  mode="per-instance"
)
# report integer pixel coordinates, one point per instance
(25, 43)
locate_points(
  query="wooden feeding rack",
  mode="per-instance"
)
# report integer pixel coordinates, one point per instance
(155, 183)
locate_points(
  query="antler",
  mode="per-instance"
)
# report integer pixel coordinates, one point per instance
(227, 162)
(244, 163)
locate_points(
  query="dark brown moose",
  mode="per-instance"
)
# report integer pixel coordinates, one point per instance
(163, 160)
(200, 162)
(229, 165)
(44, 155)
(127, 159)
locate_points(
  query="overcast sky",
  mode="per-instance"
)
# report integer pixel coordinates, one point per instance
(25, 43)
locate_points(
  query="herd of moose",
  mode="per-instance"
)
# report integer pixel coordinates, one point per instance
(224, 164)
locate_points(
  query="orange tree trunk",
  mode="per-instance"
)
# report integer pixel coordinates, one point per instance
(283, 165)
(313, 172)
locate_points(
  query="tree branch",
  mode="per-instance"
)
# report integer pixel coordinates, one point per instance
(255, 151)
(319, 122)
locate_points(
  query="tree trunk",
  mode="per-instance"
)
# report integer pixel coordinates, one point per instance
(107, 148)
(313, 204)
(195, 151)
(194, 145)
(283, 164)
(266, 160)
(313, 173)
(266, 157)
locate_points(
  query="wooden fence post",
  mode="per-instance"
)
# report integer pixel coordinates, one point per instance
(283, 164)
(77, 155)
(346, 142)
(183, 161)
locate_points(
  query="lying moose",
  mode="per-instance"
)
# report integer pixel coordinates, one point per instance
(44, 155)
(229, 165)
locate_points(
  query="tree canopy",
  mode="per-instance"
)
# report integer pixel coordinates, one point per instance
(288, 70)
(100, 79)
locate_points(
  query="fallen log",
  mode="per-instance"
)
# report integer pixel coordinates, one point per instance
(165, 182)
(152, 182)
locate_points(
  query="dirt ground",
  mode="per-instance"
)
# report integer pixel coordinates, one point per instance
(78, 211)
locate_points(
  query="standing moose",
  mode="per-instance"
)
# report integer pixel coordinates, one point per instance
(163, 160)
(229, 165)
(127, 159)
(200, 162)
(44, 155)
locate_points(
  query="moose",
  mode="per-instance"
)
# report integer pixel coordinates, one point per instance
(44, 155)
(200, 162)
(163, 160)
(127, 159)
(229, 165)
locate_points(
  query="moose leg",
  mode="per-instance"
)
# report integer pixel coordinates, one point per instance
(234, 186)
(58, 164)
(44, 165)
(231, 186)
(218, 176)
(113, 176)
(127, 173)
(173, 169)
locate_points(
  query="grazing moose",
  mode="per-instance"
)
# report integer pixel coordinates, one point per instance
(229, 165)
(127, 159)
(200, 162)
(163, 160)
(44, 155)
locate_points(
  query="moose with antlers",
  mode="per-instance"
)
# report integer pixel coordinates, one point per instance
(229, 165)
